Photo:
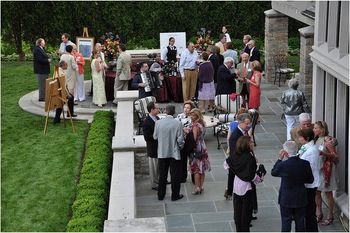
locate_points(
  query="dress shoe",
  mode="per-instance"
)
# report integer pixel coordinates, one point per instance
(177, 198)
(73, 115)
(254, 218)
(155, 188)
(168, 182)
(160, 198)
(41, 100)
(56, 121)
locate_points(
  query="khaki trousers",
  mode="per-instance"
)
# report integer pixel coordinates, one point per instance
(119, 85)
(189, 84)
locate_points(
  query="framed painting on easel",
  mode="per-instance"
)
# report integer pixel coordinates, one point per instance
(85, 46)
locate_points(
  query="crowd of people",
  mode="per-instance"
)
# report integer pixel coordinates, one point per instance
(306, 164)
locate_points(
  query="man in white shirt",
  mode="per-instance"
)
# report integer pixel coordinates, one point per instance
(65, 42)
(309, 152)
(189, 72)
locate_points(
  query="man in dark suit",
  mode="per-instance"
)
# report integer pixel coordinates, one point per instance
(254, 51)
(244, 121)
(295, 172)
(41, 66)
(246, 39)
(141, 81)
(226, 80)
(152, 144)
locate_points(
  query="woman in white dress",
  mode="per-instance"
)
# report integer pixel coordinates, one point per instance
(99, 93)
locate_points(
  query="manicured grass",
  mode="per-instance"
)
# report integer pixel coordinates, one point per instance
(39, 173)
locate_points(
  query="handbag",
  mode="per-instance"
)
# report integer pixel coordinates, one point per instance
(261, 170)
(197, 153)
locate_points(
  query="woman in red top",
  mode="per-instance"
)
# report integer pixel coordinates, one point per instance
(254, 87)
(80, 89)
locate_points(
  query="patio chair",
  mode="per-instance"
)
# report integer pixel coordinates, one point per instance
(282, 68)
(224, 130)
(225, 111)
(141, 109)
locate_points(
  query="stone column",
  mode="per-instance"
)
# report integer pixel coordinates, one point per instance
(276, 39)
(306, 65)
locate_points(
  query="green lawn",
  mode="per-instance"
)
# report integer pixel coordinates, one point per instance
(38, 173)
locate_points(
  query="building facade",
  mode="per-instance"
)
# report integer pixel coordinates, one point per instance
(324, 69)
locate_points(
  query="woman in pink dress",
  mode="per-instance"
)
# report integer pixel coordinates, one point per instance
(254, 87)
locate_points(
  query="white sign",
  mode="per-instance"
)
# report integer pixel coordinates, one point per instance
(180, 40)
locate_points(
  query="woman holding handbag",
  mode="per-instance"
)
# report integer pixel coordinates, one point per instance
(199, 160)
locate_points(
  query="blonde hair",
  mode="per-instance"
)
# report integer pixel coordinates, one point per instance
(198, 115)
(256, 66)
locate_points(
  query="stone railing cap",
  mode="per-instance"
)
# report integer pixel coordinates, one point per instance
(274, 14)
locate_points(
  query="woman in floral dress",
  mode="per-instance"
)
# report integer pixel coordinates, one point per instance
(198, 166)
(329, 158)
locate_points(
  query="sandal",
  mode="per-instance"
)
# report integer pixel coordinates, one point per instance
(327, 222)
(319, 218)
(196, 191)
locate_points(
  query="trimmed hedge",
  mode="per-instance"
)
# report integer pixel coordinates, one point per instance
(91, 203)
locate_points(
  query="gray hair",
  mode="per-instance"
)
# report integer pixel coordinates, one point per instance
(242, 117)
(290, 147)
(252, 42)
(229, 59)
(38, 41)
(304, 117)
(211, 48)
(248, 37)
(293, 83)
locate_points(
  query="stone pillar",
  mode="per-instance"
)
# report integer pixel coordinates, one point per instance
(276, 39)
(306, 65)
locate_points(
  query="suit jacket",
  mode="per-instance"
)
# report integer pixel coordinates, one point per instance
(240, 72)
(123, 66)
(148, 130)
(237, 133)
(41, 61)
(168, 131)
(226, 83)
(215, 61)
(135, 85)
(71, 71)
(254, 54)
(295, 172)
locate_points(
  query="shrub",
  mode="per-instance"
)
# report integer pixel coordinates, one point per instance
(91, 203)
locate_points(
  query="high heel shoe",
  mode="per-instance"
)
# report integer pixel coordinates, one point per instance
(327, 222)
(196, 191)
(319, 218)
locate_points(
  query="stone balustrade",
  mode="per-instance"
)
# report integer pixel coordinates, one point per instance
(122, 203)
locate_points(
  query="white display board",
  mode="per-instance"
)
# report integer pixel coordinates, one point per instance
(180, 40)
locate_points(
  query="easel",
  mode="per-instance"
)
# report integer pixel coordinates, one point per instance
(85, 32)
(57, 97)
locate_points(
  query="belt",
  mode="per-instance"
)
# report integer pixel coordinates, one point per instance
(190, 69)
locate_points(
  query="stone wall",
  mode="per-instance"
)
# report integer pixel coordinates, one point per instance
(276, 39)
(306, 65)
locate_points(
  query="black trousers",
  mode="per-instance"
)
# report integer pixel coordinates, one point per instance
(310, 217)
(184, 160)
(230, 179)
(242, 211)
(254, 199)
(70, 104)
(175, 171)
(287, 216)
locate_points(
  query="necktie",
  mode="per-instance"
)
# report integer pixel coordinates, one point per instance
(244, 73)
